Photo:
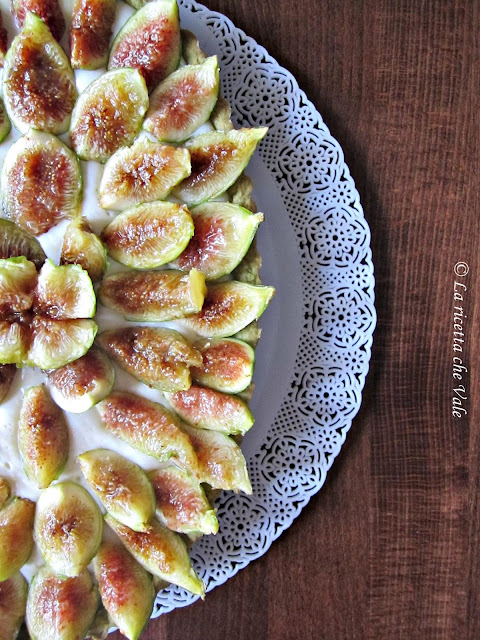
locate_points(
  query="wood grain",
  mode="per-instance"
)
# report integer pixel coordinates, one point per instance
(390, 547)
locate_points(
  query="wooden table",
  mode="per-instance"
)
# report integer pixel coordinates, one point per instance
(390, 548)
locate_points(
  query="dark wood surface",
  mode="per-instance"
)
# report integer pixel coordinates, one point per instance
(390, 547)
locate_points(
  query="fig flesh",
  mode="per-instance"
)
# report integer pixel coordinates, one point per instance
(42, 437)
(144, 172)
(122, 487)
(14, 342)
(183, 102)
(68, 527)
(83, 247)
(108, 114)
(48, 10)
(154, 296)
(38, 83)
(160, 358)
(18, 279)
(16, 535)
(90, 33)
(149, 235)
(227, 364)
(41, 182)
(218, 158)
(13, 602)
(150, 42)
(15, 242)
(55, 343)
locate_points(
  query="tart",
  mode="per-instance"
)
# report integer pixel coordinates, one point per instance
(129, 300)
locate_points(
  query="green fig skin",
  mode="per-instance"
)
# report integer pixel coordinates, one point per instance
(83, 247)
(4, 491)
(7, 374)
(5, 125)
(15, 242)
(16, 535)
(13, 602)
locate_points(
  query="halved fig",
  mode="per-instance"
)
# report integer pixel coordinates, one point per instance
(154, 296)
(48, 10)
(64, 292)
(148, 427)
(121, 485)
(41, 182)
(16, 535)
(42, 437)
(149, 235)
(218, 158)
(18, 279)
(223, 234)
(38, 83)
(144, 172)
(227, 364)
(68, 527)
(58, 342)
(108, 114)
(82, 246)
(150, 42)
(7, 374)
(161, 552)
(220, 460)
(13, 602)
(158, 357)
(4, 491)
(3, 41)
(60, 608)
(183, 101)
(14, 342)
(208, 409)
(14, 242)
(90, 33)
(81, 384)
(126, 589)
(181, 501)
(228, 308)
(5, 125)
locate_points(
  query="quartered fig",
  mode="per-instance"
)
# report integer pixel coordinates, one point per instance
(83, 247)
(41, 182)
(161, 552)
(227, 364)
(4, 491)
(14, 342)
(13, 602)
(144, 172)
(126, 589)
(218, 158)
(181, 501)
(154, 296)
(228, 308)
(3, 41)
(14, 242)
(48, 10)
(68, 527)
(79, 385)
(55, 343)
(223, 234)
(183, 101)
(60, 608)
(38, 83)
(16, 535)
(18, 279)
(137, 4)
(122, 487)
(149, 235)
(150, 42)
(108, 114)
(42, 437)
(90, 33)
(148, 427)
(5, 125)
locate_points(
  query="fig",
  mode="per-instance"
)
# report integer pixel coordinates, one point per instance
(90, 33)
(149, 235)
(137, 4)
(154, 296)
(108, 114)
(150, 42)
(68, 527)
(181, 501)
(18, 278)
(148, 427)
(58, 342)
(13, 602)
(223, 234)
(161, 552)
(41, 182)
(183, 102)
(7, 374)
(228, 308)
(208, 409)
(157, 357)
(144, 172)
(218, 158)
(227, 364)
(79, 385)
(38, 83)
(48, 10)
(14, 242)
(16, 535)
(5, 125)
(3, 41)
(64, 292)
(122, 487)
(60, 608)
(83, 247)
(125, 587)
(220, 459)
(43, 439)
(4, 491)
(14, 343)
